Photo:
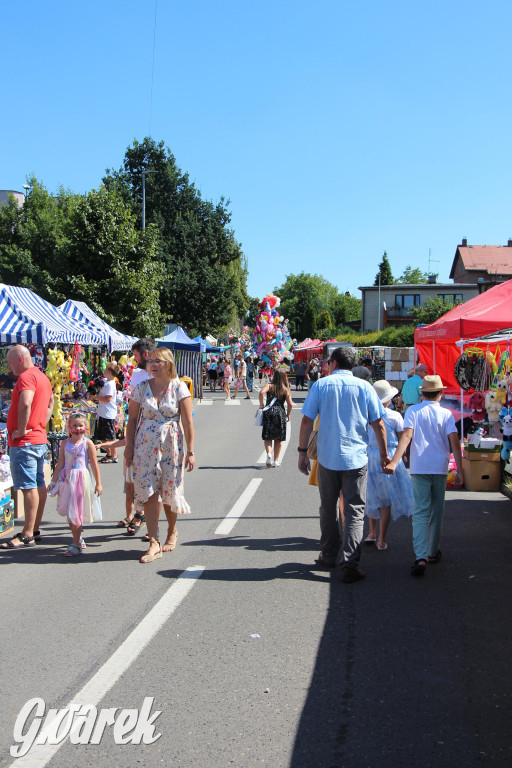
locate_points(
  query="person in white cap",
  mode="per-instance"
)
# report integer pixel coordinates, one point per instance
(386, 495)
(431, 430)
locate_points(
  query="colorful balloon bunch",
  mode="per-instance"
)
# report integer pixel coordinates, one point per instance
(271, 337)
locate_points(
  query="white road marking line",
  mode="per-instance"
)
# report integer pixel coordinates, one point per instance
(237, 511)
(232, 402)
(205, 402)
(255, 402)
(263, 458)
(108, 675)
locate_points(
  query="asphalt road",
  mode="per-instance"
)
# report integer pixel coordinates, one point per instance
(262, 659)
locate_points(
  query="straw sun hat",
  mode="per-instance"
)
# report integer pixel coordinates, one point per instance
(385, 392)
(432, 384)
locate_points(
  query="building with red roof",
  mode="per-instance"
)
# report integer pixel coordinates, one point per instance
(486, 265)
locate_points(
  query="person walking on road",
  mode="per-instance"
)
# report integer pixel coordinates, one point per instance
(242, 377)
(431, 430)
(155, 448)
(227, 378)
(345, 405)
(300, 375)
(275, 417)
(386, 495)
(72, 481)
(29, 413)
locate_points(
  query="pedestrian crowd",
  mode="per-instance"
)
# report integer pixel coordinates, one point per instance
(353, 427)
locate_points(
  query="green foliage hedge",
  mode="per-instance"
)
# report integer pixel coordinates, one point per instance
(389, 337)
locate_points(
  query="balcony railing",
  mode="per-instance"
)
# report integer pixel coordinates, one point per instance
(398, 312)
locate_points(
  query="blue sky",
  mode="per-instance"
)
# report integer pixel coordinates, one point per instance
(337, 129)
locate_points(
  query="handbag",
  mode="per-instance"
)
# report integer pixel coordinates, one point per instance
(312, 452)
(258, 419)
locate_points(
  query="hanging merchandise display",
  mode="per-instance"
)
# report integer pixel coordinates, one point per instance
(474, 370)
(271, 337)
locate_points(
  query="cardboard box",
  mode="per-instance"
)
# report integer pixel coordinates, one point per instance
(396, 366)
(481, 475)
(472, 453)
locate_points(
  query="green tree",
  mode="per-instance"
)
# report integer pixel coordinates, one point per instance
(300, 291)
(432, 310)
(412, 276)
(346, 309)
(111, 265)
(206, 272)
(307, 326)
(323, 321)
(31, 237)
(384, 274)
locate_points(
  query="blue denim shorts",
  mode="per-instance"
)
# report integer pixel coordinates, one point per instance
(27, 466)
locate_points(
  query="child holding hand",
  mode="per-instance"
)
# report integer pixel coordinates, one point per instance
(75, 471)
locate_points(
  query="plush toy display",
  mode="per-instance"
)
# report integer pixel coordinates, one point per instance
(492, 406)
(502, 391)
(505, 418)
(477, 405)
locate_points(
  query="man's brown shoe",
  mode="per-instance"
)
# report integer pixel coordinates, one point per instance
(349, 575)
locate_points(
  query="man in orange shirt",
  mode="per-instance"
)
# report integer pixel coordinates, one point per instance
(29, 413)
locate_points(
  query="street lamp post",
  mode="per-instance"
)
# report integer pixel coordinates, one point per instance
(26, 187)
(144, 197)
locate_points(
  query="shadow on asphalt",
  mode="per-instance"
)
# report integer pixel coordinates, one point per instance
(413, 673)
(282, 571)
(292, 543)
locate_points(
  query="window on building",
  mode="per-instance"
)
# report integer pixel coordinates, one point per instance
(453, 297)
(407, 300)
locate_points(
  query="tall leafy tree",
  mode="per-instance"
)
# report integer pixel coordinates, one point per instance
(384, 274)
(432, 310)
(205, 269)
(412, 276)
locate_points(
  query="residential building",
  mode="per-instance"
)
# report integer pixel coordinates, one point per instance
(4, 196)
(395, 300)
(482, 264)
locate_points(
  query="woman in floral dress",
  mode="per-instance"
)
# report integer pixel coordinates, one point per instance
(154, 445)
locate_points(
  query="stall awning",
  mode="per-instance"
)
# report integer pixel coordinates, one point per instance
(26, 318)
(79, 310)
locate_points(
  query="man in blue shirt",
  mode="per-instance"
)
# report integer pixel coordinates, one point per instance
(411, 393)
(346, 405)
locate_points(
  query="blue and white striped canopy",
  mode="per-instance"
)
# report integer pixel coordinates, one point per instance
(26, 318)
(80, 311)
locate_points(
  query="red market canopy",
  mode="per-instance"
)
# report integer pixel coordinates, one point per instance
(309, 349)
(486, 314)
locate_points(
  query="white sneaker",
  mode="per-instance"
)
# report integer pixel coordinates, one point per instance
(276, 464)
(269, 460)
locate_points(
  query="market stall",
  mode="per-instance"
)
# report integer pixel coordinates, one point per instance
(188, 356)
(79, 310)
(436, 344)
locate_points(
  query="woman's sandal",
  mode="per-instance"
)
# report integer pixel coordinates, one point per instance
(149, 558)
(124, 523)
(381, 545)
(134, 527)
(37, 536)
(73, 550)
(26, 541)
(435, 558)
(108, 460)
(168, 547)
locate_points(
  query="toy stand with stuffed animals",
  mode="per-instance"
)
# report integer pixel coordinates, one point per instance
(484, 374)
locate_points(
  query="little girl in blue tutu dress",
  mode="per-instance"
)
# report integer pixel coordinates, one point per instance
(384, 499)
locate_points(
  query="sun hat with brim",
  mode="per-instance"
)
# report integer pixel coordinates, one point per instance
(432, 384)
(384, 390)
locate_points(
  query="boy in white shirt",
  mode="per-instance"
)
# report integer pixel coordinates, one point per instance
(431, 428)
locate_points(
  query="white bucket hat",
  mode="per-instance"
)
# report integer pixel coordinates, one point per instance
(384, 390)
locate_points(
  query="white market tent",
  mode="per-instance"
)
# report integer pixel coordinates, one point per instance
(80, 311)
(26, 318)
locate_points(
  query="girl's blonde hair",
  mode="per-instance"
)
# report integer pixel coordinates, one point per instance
(78, 416)
(279, 386)
(162, 353)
